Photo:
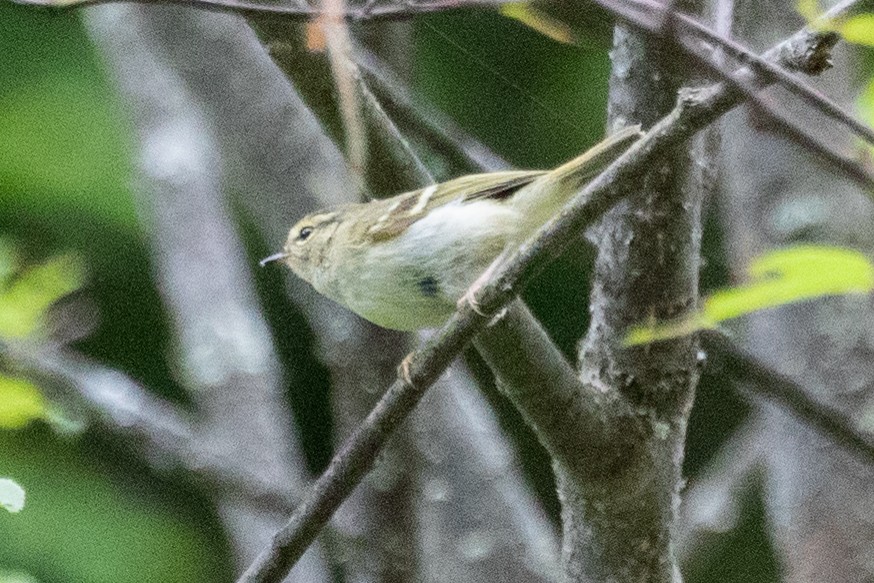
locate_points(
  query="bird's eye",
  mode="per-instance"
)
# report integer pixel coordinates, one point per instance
(304, 234)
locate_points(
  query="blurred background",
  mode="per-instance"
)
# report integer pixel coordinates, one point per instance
(107, 507)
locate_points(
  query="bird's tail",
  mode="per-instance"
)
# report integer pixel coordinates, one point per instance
(545, 196)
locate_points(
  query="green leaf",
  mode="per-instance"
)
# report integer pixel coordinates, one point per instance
(778, 278)
(16, 577)
(792, 275)
(20, 403)
(655, 331)
(24, 299)
(11, 495)
(539, 21)
(858, 29)
(809, 9)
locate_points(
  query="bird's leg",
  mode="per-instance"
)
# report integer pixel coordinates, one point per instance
(404, 369)
(469, 296)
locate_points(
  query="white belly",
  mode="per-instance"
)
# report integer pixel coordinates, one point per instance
(414, 280)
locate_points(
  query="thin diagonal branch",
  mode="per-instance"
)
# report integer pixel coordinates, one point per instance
(441, 132)
(392, 166)
(388, 132)
(791, 129)
(648, 14)
(301, 11)
(781, 75)
(164, 434)
(695, 110)
(761, 380)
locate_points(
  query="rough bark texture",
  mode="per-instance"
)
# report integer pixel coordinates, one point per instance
(618, 525)
(818, 495)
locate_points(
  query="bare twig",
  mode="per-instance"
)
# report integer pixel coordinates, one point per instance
(343, 72)
(764, 381)
(851, 168)
(696, 109)
(388, 132)
(392, 166)
(300, 11)
(359, 452)
(166, 435)
(793, 130)
(789, 127)
(648, 14)
(121, 404)
(440, 132)
(781, 75)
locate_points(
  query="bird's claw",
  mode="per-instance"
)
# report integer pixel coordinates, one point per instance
(469, 298)
(404, 369)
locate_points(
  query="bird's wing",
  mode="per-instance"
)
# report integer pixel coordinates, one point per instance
(405, 209)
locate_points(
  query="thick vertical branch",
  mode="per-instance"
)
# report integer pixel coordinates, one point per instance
(619, 526)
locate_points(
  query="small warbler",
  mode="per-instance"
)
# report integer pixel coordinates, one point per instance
(403, 262)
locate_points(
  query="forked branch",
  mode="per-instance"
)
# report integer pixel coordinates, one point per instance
(694, 111)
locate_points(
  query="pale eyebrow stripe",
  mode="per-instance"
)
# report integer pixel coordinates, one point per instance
(423, 200)
(323, 218)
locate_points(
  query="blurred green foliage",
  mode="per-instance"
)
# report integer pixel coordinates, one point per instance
(64, 171)
(11, 495)
(27, 293)
(20, 403)
(94, 513)
(81, 524)
(856, 28)
(16, 577)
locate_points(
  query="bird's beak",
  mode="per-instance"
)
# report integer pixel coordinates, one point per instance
(272, 258)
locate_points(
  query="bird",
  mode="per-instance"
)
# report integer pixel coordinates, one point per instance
(404, 262)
